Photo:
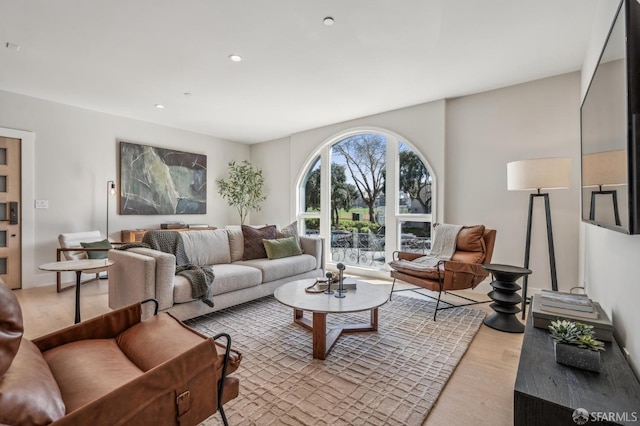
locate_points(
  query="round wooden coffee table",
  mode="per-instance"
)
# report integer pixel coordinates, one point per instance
(77, 266)
(367, 297)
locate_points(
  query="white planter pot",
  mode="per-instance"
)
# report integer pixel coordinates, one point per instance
(577, 357)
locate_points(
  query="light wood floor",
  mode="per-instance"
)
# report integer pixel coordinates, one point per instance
(480, 390)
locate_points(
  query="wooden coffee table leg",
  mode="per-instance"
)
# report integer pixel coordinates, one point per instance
(374, 319)
(324, 340)
(319, 335)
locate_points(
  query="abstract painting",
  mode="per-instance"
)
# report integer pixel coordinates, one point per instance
(159, 181)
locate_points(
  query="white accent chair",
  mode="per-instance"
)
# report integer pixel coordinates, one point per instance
(71, 248)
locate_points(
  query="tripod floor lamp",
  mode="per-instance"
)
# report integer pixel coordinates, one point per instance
(538, 174)
(600, 169)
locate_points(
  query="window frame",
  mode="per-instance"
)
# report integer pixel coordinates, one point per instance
(393, 217)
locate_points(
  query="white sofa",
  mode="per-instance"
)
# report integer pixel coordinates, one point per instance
(141, 273)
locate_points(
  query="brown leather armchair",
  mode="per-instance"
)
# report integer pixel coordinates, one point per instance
(474, 247)
(112, 370)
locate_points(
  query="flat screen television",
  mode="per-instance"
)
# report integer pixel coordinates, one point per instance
(610, 126)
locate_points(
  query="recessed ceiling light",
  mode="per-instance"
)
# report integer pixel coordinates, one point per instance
(235, 58)
(328, 21)
(159, 106)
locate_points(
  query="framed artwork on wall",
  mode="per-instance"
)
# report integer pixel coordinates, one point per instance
(159, 181)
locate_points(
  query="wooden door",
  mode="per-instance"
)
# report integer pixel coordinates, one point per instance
(10, 213)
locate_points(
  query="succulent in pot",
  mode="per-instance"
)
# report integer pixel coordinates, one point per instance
(575, 345)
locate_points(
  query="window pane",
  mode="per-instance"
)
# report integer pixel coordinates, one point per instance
(311, 227)
(310, 189)
(3, 156)
(414, 183)
(415, 236)
(358, 165)
(3, 184)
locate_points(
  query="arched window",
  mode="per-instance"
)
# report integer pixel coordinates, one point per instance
(376, 197)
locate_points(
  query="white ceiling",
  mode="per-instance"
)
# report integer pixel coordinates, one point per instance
(124, 56)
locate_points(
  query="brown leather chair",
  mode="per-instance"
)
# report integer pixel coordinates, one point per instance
(112, 370)
(474, 247)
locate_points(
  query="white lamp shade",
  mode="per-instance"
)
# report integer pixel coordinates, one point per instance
(539, 173)
(605, 168)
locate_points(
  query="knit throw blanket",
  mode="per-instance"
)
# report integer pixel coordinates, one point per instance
(200, 277)
(443, 245)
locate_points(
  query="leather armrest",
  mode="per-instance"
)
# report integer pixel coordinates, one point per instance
(106, 326)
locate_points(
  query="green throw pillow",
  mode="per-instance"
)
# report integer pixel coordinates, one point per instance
(282, 247)
(104, 244)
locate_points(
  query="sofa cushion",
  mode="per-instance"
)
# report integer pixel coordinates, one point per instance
(282, 247)
(104, 244)
(236, 243)
(471, 238)
(207, 247)
(290, 230)
(253, 246)
(74, 367)
(29, 395)
(10, 327)
(275, 269)
(229, 277)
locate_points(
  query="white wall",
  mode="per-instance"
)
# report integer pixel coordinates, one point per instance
(486, 131)
(274, 159)
(610, 267)
(422, 125)
(76, 153)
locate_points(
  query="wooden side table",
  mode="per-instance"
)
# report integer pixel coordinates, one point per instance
(505, 297)
(77, 266)
(135, 235)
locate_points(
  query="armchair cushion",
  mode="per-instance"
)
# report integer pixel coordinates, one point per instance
(10, 327)
(89, 369)
(416, 269)
(28, 392)
(468, 256)
(471, 238)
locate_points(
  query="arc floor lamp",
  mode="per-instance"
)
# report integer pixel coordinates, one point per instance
(111, 191)
(538, 174)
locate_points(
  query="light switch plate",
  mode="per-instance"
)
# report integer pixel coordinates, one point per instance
(42, 204)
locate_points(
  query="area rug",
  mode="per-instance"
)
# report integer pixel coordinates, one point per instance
(389, 377)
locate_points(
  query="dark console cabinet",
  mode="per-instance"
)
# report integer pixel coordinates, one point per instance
(547, 393)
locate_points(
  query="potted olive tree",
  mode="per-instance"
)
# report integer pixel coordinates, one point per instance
(575, 345)
(243, 188)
